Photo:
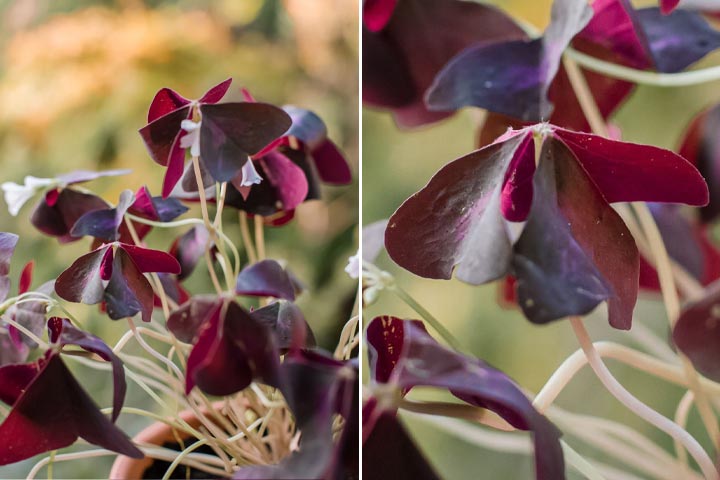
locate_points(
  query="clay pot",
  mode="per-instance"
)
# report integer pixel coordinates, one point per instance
(126, 468)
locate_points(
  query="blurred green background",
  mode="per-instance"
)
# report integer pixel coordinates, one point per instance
(398, 163)
(76, 80)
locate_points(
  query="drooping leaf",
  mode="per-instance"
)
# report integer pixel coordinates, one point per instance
(416, 359)
(51, 412)
(185, 321)
(189, 248)
(128, 292)
(287, 322)
(67, 207)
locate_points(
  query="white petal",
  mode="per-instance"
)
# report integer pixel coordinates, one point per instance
(16, 196)
(189, 125)
(353, 266)
(250, 176)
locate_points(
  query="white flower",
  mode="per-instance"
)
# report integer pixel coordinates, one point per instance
(191, 140)
(353, 266)
(17, 195)
(250, 176)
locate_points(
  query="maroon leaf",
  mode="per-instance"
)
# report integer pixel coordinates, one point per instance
(67, 207)
(160, 134)
(390, 452)
(166, 100)
(377, 13)
(185, 321)
(265, 278)
(216, 93)
(416, 359)
(697, 332)
(287, 322)
(51, 412)
(148, 260)
(232, 350)
(628, 172)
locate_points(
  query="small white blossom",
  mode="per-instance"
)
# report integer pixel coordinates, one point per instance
(17, 195)
(250, 176)
(192, 139)
(353, 266)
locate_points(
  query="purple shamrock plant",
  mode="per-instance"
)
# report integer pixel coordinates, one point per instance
(570, 219)
(231, 330)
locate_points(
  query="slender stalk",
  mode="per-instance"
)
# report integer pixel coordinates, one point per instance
(428, 317)
(260, 237)
(642, 77)
(681, 415)
(247, 239)
(638, 407)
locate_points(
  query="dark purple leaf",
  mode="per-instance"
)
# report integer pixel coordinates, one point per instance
(287, 322)
(401, 61)
(678, 40)
(128, 292)
(697, 332)
(555, 275)
(8, 241)
(511, 78)
(62, 332)
(51, 413)
(332, 167)
(104, 224)
(422, 361)
(68, 206)
(161, 134)
(230, 132)
(83, 280)
(175, 166)
(190, 248)
(173, 290)
(288, 179)
(166, 100)
(390, 452)
(231, 351)
(265, 279)
(189, 317)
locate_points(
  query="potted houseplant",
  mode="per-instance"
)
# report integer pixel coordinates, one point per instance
(237, 385)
